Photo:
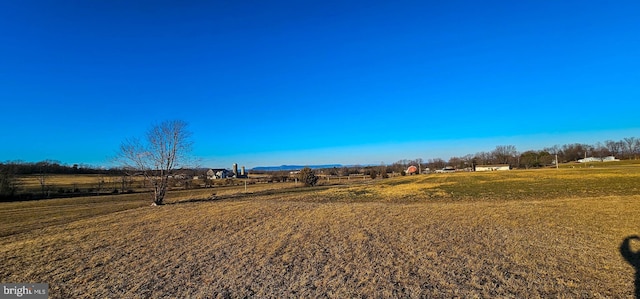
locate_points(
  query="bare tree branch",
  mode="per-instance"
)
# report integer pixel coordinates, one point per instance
(167, 146)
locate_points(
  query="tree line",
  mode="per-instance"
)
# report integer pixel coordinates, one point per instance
(624, 149)
(9, 171)
(54, 167)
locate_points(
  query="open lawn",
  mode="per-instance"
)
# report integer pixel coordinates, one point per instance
(537, 233)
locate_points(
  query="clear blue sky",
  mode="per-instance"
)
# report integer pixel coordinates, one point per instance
(308, 82)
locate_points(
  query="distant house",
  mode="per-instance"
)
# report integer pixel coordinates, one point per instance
(225, 173)
(497, 167)
(221, 173)
(213, 174)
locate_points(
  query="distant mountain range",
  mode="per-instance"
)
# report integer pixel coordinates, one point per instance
(294, 167)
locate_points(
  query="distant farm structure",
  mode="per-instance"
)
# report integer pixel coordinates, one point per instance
(411, 170)
(213, 174)
(497, 167)
(594, 159)
(447, 169)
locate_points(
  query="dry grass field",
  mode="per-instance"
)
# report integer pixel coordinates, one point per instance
(25, 216)
(31, 183)
(533, 234)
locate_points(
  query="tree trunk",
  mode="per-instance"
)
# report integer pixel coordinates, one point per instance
(160, 191)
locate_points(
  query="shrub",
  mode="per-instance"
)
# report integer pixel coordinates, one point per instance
(308, 177)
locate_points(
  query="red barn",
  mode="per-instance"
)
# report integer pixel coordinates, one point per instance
(412, 170)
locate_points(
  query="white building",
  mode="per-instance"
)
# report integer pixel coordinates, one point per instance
(498, 167)
(594, 159)
(213, 174)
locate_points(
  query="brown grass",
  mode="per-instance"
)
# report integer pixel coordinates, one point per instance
(31, 183)
(25, 216)
(354, 241)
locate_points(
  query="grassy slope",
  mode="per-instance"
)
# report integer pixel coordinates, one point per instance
(25, 216)
(517, 234)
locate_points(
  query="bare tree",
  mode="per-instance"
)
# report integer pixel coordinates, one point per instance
(42, 179)
(456, 162)
(125, 181)
(469, 161)
(166, 146)
(622, 149)
(600, 150)
(436, 163)
(484, 158)
(613, 147)
(630, 146)
(574, 152)
(383, 171)
(505, 154)
(99, 184)
(8, 182)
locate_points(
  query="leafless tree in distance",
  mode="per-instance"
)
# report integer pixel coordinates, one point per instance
(166, 146)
